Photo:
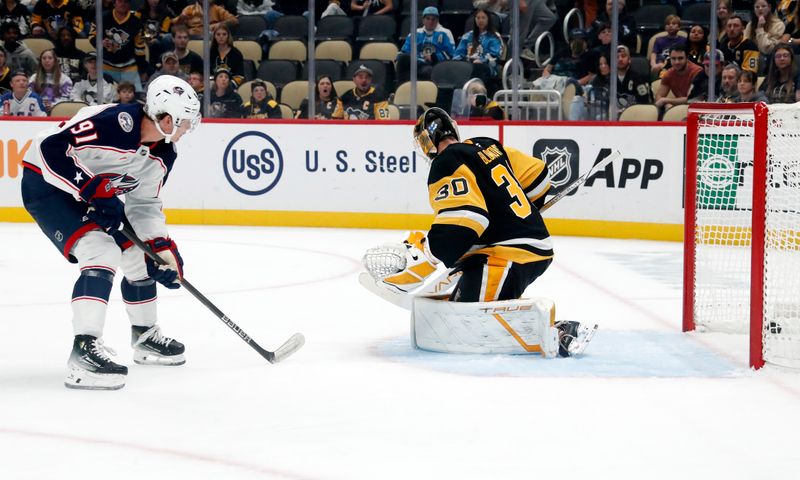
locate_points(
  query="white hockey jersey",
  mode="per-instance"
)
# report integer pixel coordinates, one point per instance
(106, 140)
(31, 105)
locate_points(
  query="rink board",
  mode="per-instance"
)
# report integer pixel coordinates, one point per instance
(348, 174)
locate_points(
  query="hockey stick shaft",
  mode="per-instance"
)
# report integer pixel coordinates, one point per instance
(290, 346)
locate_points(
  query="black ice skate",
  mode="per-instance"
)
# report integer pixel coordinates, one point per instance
(90, 367)
(152, 348)
(573, 338)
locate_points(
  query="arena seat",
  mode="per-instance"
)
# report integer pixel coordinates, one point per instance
(343, 86)
(245, 90)
(696, 13)
(251, 50)
(394, 112)
(405, 9)
(37, 46)
(291, 27)
(335, 27)
(451, 73)
(67, 109)
(376, 28)
(426, 93)
(678, 113)
(385, 51)
(286, 111)
(288, 50)
(331, 68)
(249, 27)
(639, 113)
(651, 18)
(84, 45)
(294, 93)
(334, 50)
(278, 72)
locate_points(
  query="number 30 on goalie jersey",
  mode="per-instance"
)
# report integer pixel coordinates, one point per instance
(484, 196)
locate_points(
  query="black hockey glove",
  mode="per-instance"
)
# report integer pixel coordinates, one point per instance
(105, 208)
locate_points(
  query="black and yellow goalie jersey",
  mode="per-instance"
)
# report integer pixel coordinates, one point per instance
(486, 198)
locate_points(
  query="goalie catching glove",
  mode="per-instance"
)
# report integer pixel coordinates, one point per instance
(401, 266)
(171, 273)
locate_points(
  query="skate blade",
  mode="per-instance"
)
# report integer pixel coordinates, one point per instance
(85, 380)
(585, 335)
(150, 358)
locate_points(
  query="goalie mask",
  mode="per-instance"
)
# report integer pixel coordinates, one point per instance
(432, 127)
(173, 96)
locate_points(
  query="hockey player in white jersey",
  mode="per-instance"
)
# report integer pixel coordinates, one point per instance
(70, 186)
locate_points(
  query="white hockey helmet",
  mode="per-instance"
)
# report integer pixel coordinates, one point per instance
(171, 95)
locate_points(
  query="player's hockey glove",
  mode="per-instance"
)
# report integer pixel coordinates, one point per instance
(419, 264)
(105, 208)
(170, 274)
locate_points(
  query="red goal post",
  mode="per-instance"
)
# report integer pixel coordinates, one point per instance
(742, 226)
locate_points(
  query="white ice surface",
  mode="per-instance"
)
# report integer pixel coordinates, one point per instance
(646, 402)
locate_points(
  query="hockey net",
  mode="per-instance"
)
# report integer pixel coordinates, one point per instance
(742, 226)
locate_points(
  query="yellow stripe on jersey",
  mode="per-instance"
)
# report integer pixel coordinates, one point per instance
(463, 218)
(457, 190)
(514, 254)
(531, 173)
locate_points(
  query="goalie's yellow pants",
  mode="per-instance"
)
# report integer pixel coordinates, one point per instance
(488, 279)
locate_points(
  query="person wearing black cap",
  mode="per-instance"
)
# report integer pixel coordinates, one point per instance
(86, 89)
(261, 104)
(225, 102)
(362, 102)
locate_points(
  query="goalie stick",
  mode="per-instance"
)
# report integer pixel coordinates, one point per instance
(441, 282)
(289, 346)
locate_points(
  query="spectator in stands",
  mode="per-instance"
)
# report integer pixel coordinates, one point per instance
(199, 86)
(192, 17)
(432, 47)
(782, 81)
(765, 29)
(700, 83)
(85, 90)
(371, 7)
(632, 87)
(187, 59)
(697, 44)
(603, 45)
(169, 66)
(224, 54)
(737, 48)
(126, 92)
(225, 102)
(724, 12)
(264, 8)
(663, 45)
(261, 104)
(535, 19)
(50, 15)
(20, 101)
(20, 57)
(49, 82)
(789, 13)
(481, 46)
(480, 105)
(156, 18)
(729, 88)
(577, 64)
(747, 88)
(678, 79)
(5, 72)
(70, 58)
(326, 99)
(334, 8)
(627, 24)
(12, 11)
(363, 102)
(123, 46)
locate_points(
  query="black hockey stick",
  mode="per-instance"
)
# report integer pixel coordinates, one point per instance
(289, 347)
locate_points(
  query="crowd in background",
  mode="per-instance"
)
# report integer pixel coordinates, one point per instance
(755, 59)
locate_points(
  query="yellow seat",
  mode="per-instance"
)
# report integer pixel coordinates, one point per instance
(67, 109)
(84, 45)
(293, 93)
(250, 49)
(288, 50)
(385, 51)
(426, 93)
(334, 50)
(38, 45)
(245, 90)
(639, 113)
(341, 86)
(678, 113)
(286, 111)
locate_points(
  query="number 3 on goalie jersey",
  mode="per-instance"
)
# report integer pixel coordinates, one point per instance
(503, 178)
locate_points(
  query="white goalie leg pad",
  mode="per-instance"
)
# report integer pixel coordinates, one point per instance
(523, 326)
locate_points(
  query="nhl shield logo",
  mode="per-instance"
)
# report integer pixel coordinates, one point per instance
(562, 159)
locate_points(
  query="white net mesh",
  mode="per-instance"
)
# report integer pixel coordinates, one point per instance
(782, 238)
(723, 216)
(723, 229)
(385, 260)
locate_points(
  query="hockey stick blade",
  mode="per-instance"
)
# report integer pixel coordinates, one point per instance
(289, 347)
